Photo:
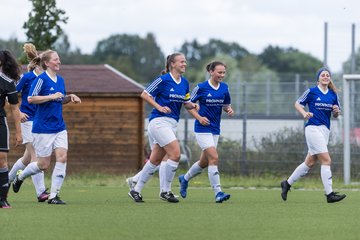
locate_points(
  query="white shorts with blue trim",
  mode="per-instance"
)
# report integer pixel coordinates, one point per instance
(27, 135)
(317, 139)
(207, 140)
(45, 143)
(162, 131)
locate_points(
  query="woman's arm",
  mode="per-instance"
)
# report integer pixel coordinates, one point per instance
(71, 98)
(301, 110)
(150, 100)
(43, 99)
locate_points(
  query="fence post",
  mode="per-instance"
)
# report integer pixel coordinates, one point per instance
(243, 161)
(268, 95)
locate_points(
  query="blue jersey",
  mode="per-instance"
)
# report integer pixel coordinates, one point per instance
(211, 101)
(168, 93)
(48, 117)
(24, 87)
(320, 104)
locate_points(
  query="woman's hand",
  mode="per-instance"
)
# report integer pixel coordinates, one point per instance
(164, 109)
(308, 115)
(24, 117)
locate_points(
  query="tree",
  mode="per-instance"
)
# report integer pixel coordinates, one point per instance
(140, 58)
(42, 27)
(199, 55)
(13, 45)
(289, 60)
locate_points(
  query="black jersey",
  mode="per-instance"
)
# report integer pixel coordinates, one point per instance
(7, 90)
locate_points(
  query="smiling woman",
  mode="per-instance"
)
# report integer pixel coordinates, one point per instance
(49, 130)
(322, 101)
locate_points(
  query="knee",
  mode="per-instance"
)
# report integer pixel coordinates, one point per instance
(62, 158)
(175, 157)
(43, 165)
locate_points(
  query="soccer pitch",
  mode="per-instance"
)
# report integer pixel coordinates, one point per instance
(106, 212)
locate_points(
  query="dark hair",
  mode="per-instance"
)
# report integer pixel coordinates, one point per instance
(212, 65)
(32, 55)
(9, 66)
(45, 57)
(170, 59)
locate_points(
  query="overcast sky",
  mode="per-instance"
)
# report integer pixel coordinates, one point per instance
(253, 24)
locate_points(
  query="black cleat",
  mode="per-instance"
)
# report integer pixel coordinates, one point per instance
(285, 187)
(135, 196)
(4, 203)
(17, 182)
(56, 200)
(334, 197)
(168, 196)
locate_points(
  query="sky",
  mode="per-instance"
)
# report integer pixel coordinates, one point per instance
(253, 24)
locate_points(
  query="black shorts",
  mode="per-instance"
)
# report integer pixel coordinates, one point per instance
(4, 135)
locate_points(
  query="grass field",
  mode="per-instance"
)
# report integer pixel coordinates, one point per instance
(99, 208)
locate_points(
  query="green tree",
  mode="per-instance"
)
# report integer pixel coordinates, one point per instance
(13, 45)
(42, 27)
(289, 60)
(140, 58)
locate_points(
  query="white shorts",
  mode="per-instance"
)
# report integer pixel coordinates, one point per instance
(27, 135)
(207, 140)
(162, 131)
(317, 139)
(45, 143)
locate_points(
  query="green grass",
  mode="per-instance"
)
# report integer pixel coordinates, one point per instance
(98, 208)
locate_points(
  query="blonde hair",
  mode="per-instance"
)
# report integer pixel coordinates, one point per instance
(170, 59)
(45, 57)
(32, 56)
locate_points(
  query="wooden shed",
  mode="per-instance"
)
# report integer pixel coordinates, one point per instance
(106, 131)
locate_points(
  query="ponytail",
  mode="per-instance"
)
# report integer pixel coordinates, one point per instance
(170, 59)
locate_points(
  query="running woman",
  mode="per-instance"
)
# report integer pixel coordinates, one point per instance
(166, 94)
(27, 112)
(9, 73)
(322, 101)
(213, 97)
(49, 130)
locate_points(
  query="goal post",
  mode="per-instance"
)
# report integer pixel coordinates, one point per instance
(346, 114)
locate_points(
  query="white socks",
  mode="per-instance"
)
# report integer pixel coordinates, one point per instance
(170, 170)
(162, 174)
(326, 178)
(147, 171)
(39, 183)
(214, 178)
(194, 170)
(299, 172)
(57, 178)
(18, 165)
(30, 169)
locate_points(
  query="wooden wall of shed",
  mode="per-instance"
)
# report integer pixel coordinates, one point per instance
(106, 135)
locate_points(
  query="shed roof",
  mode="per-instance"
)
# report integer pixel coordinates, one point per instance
(98, 79)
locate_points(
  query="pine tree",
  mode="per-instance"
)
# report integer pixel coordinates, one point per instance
(43, 24)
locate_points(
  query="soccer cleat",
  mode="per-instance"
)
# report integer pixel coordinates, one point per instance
(135, 196)
(56, 200)
(130, 183)
(221, 197)
(4, 203)
(168, 196)
(334, 197)
(17, 182)
(183, 186)
(43, 196)
(285, 187)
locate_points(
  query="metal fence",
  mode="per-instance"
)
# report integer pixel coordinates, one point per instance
(266, 136)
